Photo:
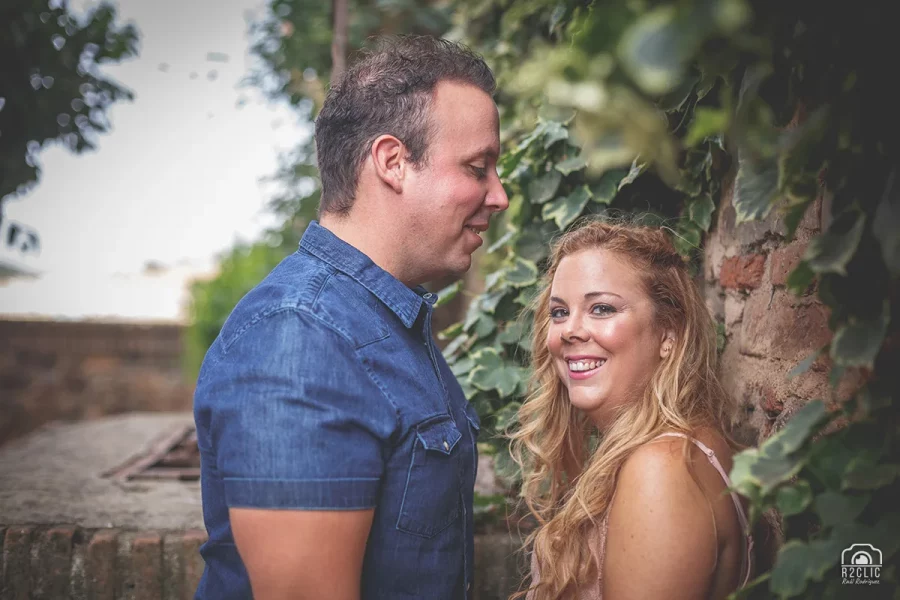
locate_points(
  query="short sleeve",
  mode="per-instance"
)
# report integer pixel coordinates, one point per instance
(295, 422)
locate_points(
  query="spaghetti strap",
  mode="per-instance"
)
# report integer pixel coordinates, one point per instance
(742, 516)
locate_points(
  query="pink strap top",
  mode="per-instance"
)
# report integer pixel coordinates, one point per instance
(597, 542)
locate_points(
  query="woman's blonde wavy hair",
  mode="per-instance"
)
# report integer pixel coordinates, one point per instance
(569, 475)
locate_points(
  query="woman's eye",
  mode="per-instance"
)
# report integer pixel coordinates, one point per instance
(603, 309)
(557, 313)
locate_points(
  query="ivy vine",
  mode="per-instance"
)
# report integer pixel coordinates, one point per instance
(645, 107)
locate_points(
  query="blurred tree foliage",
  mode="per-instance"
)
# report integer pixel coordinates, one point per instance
(212, 300)
(51, 87)
(643, 107)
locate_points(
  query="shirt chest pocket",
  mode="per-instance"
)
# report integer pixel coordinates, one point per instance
(431, 500)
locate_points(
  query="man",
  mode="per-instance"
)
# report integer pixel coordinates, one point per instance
(338, 451)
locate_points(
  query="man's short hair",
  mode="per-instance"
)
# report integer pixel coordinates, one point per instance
(388, 91)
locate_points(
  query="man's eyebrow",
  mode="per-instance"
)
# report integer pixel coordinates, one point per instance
(588, 296)
(488, 152)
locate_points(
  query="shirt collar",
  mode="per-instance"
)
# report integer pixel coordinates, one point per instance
(406, 303)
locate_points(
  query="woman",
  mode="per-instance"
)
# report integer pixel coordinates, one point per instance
(623, 439)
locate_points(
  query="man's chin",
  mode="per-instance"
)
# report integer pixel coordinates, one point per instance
(462, 265)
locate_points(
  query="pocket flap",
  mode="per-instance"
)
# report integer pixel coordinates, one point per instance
(440, 435)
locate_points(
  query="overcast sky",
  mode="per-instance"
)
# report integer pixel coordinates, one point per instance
(176, 181)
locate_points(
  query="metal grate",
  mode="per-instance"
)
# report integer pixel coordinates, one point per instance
(174, 456)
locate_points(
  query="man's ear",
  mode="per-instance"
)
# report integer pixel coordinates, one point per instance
(387, 156)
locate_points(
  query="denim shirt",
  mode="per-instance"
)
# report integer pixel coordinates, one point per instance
(325, 391)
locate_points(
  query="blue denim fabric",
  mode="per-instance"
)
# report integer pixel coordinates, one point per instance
(324, 390)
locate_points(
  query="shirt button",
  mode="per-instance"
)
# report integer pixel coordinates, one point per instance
(446, 445)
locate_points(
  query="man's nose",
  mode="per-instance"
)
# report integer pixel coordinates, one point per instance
(496, 196)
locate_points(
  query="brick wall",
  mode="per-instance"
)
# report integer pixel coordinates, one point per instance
(107, 564)
(54, 562)
(53, 370)
(768, 329)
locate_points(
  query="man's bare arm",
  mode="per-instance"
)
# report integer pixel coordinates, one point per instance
(302, 554)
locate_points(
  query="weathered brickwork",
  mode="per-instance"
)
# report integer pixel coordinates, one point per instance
(68, 562)
(81, 370)
(51, 563)
(768, 329)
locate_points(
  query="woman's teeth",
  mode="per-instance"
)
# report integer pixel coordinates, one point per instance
(475, 231)
(585, 365)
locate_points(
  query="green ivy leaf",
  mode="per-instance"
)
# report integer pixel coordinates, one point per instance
(523, 273)
(633, 173)
(506, 469)
(677, 98)
(469, 390)
(830, 252)
(793, 499)
(532, 241)
(544, 187)
(490, 300)
(800, 154)
(564, 211)
(687, 238)
(873, 398)
(870, 477)
(571, 165)
(484, 325)
(506, 415)
(604, 191)
(655, 50)
(492, 373)
(689, 184)
(829, 459)
(488, 358)
(836, 509)
(721, 338)
(500, 243)
(886, 225)
(462, 366)
(512, 333)
(770, 471)
(509, 161)
(772, 463)
(707, 122)
(800, 278)
(741, 478)
(797, 430)
(448, 293)
(700, 211)
(798, 562)
(527, 296)
(857, 343)
(454, 346)
(793, 214)
(804, 365)
(755, 187)
(554, 132)
(751, 590)
(450, 332)
(493, 279)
